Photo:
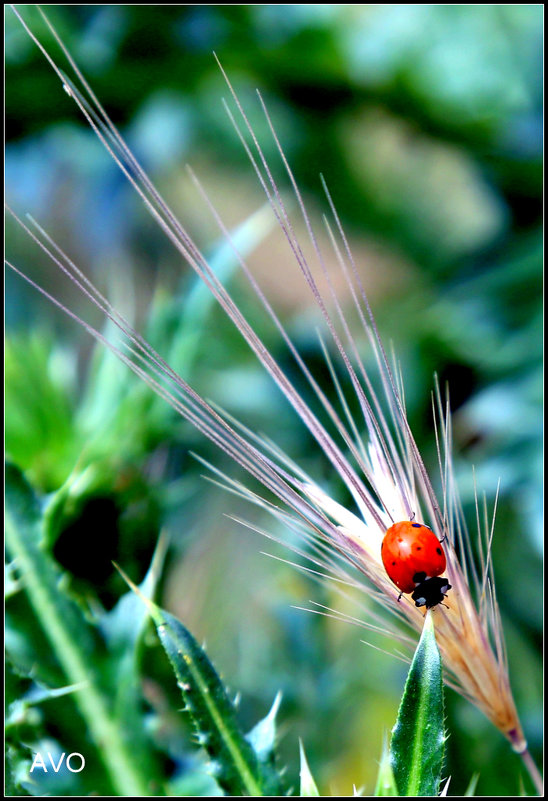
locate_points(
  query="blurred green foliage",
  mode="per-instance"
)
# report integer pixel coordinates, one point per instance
(426, 121)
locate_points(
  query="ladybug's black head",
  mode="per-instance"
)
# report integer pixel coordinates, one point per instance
(431, 591)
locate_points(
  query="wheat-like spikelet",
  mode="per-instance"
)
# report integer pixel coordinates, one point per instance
(385, 476)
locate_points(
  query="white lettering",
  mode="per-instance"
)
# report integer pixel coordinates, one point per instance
(38, 762)
(61, 758)
(82, 762)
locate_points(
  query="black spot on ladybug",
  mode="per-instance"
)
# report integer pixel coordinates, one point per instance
(438, 550)
(416, 525)
(393, 564)
(419, 548)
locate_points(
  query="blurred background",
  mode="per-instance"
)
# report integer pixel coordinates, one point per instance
(426, 122)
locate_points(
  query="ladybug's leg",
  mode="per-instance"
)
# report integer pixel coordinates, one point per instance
(399, 596)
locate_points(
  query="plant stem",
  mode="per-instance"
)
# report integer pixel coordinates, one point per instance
(532, 770)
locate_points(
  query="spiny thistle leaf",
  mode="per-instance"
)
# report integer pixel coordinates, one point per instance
(263, 735)
(235, 764)
(70, 637)
(418, 738)
(25, 535)
(386, 784)
(308, 785)
(445, 789)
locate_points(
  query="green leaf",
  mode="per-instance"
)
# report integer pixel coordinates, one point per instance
(418, 738)
(308, 785)
(39, 433)
(122, 629)
(18, 762)
(386, 784)
(471, 789)
(234, 763)
(263, 735)
(71, 639)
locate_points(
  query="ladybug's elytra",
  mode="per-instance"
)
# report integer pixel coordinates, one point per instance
(414, 559)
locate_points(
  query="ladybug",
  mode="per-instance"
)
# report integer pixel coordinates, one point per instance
(414, 560)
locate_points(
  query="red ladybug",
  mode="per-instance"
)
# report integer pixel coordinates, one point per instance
(414, 559)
